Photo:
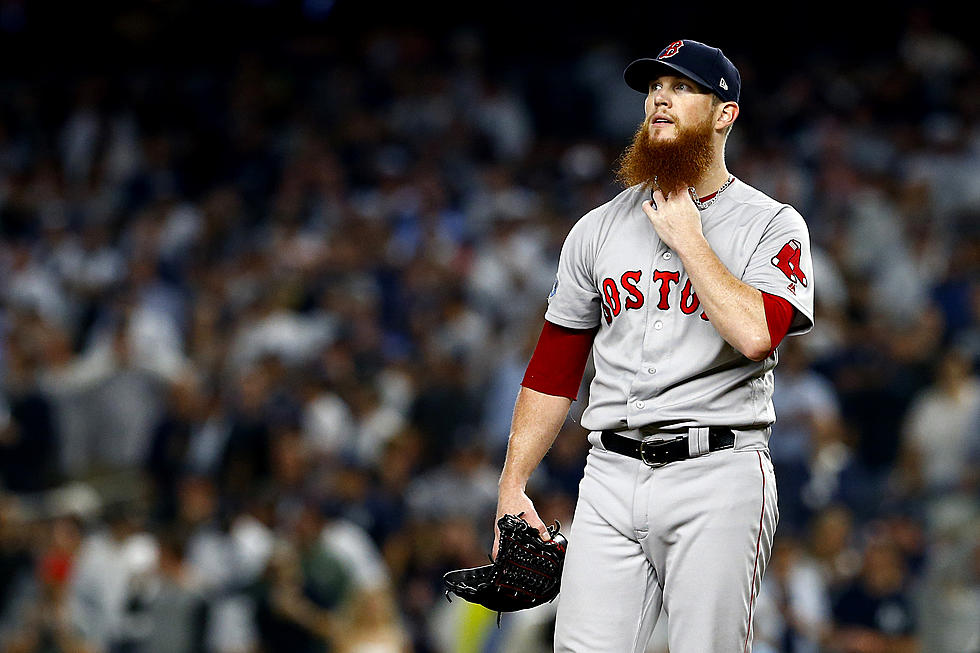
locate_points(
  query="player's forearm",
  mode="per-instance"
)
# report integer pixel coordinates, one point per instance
(537, 419)
(734, 308)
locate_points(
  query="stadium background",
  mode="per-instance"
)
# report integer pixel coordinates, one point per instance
(271, 273)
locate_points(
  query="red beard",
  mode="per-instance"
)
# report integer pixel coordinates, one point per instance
(678, 163)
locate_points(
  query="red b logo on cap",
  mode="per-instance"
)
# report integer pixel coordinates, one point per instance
(671, 50)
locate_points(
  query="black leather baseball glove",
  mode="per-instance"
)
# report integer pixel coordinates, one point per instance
(526, 573)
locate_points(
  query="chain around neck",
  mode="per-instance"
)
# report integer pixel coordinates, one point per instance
(704, 202)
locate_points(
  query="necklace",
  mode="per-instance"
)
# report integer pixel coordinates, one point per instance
(704, 202)
(701, 202)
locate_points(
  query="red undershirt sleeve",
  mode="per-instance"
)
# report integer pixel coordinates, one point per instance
(779, 316)
(559, 359)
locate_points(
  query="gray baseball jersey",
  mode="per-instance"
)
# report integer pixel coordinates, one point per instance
(659, 362)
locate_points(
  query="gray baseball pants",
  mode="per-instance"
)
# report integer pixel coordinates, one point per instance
(693, 537)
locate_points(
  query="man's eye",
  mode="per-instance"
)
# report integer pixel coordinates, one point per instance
(682, 87)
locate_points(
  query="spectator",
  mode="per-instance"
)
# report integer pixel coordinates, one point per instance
(169, 455)
(16, 563)
(28, 432)
(465, 485)
(109, 564)
(288, 617)
(807, 419)
(48, 625)
(175, 611)
(796, 604)
(831, 537)
(939, 433)
(370, 623)
(875, 612)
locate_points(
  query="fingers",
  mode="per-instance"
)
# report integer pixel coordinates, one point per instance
(518, 504)
(659, 197)
(531, 517)
(674, 195)
(536, 523)
(685, 194)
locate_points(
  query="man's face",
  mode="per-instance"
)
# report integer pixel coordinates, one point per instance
(674, 104)
(675, 145)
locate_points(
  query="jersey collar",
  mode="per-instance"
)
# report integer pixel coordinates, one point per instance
(704, 202)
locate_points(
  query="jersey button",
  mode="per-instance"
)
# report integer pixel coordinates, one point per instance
(640, 405)
(658, 325)
(652, 370)
(667, 256)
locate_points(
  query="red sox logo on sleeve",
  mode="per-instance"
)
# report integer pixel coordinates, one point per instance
(670, 50)
(788, 262)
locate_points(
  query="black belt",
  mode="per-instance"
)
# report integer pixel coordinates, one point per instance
(660, 452)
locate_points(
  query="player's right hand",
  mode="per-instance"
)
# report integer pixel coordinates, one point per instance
(514, 503)
(675, 218)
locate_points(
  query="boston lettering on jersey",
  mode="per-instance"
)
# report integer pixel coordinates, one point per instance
(613, 291)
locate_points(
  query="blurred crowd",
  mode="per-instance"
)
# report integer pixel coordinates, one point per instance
(262, 325)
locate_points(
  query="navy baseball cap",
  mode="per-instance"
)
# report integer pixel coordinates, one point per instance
(701, 63)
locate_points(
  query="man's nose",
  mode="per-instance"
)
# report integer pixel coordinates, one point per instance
(661, 98)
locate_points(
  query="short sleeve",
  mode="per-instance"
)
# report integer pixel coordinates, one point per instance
(574, 301)
(781, 265)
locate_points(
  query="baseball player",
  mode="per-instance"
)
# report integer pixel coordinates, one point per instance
(682, 287)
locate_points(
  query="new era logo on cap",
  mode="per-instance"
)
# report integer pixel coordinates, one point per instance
(692, 59)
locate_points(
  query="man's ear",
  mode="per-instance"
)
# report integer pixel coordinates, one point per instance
(727, 115)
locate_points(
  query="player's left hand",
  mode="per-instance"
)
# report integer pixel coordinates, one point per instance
(675, 218)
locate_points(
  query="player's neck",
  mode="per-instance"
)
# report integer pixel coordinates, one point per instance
(714, 179)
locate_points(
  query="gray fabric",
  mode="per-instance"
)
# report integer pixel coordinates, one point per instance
(657, 361)
(693, 537)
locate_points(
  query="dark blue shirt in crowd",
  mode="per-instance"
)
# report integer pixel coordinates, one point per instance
(890, 614)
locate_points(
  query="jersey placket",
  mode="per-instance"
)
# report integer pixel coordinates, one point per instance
(655, 349)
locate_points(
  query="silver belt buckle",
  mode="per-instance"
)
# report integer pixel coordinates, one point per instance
(652, 443)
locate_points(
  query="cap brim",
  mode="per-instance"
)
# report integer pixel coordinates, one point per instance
(639, 74)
